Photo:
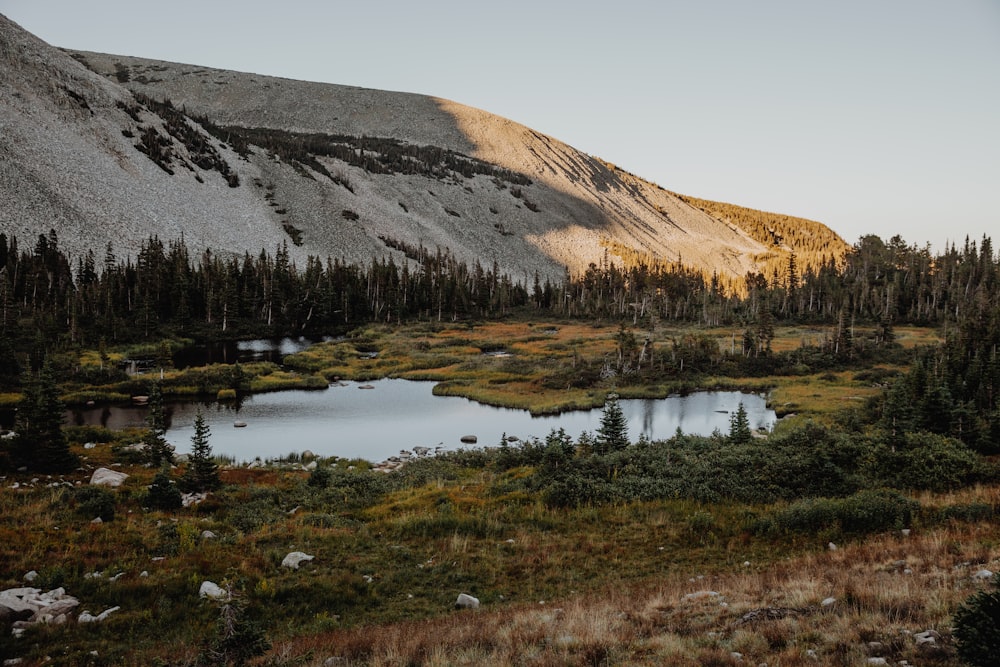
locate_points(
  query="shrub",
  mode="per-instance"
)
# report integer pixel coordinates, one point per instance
(94, 501)
(864, 512)
(977, 628)
(163, 494)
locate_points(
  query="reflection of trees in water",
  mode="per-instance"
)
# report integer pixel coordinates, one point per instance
(648, 410)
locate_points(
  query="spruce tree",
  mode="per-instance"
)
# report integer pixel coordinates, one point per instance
(158, 450)
(613, 433)
(202, 471)
(739, 427)
(40, 444)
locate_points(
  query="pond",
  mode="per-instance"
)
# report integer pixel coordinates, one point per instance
(228, 352)
(352, 421)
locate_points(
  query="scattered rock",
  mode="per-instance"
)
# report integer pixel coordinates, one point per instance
(983, 574)
(29, 605)
(87, 617)
(828, 602)
(30, 576)
(293, 559)
(466, 602)
(106, 477)
(212, 591)
(831, 546)
(208, 535)
(877, 661)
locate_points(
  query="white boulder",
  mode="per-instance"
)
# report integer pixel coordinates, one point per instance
(212, 591)
(465, 601)
(107, 477)
(293, 559)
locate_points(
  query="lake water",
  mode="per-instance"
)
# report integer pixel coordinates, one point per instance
(376, 423)
(228, 352)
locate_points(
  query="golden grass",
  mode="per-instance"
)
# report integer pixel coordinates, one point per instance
(511, 364)
(884, 590)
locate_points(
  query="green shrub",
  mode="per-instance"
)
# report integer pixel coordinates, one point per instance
(976, 628)
(94, 501)
(163, 493)
(864, 512)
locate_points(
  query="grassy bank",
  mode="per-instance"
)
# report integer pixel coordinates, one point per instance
(548, 367)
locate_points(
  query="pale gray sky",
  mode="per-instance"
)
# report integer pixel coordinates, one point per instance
(872, 116)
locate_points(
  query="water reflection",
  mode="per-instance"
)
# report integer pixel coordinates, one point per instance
(401, 414)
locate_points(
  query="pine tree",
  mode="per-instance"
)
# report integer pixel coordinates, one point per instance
(739, 427)
(40, 444)
(202, 471)
(158, 450)
(613, 432)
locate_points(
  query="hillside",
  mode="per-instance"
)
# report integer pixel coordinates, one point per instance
(107, 148)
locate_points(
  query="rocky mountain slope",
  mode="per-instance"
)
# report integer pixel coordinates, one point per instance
(106, 148)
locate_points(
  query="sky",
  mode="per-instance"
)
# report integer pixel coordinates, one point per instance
(871, 116)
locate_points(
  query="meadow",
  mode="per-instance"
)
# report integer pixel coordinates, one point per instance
(799, 548)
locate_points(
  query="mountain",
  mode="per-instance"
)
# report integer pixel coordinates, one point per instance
(106, 148)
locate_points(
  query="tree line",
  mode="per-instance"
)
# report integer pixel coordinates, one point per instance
(168, 290)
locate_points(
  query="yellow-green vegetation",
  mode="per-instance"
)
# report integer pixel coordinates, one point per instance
(547, 367)
(214, 380)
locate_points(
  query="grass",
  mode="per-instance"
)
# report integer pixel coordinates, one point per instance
(615, 584)
(549, 367)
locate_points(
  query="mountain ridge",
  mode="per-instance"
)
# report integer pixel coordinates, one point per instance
(90, 180)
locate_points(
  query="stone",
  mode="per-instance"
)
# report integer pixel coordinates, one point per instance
(208, 535)
(107, 477)
(465, 601)
(212, 591)
(24, 606)
(983, 574)
(87, 617)
(877, 661)
(828, 602)
(30, 576)
(831, 546)
(293, 559)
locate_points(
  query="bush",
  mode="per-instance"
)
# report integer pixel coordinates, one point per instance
(864, 512)
(977, 628)
(94, 501)
(163, 494)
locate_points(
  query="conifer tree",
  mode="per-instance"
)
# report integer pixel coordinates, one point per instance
(40, 444)
(158, 450)
(613, 432)
(202, 472)
(739, 427)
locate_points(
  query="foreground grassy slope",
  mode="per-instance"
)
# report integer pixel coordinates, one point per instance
(659, 582)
